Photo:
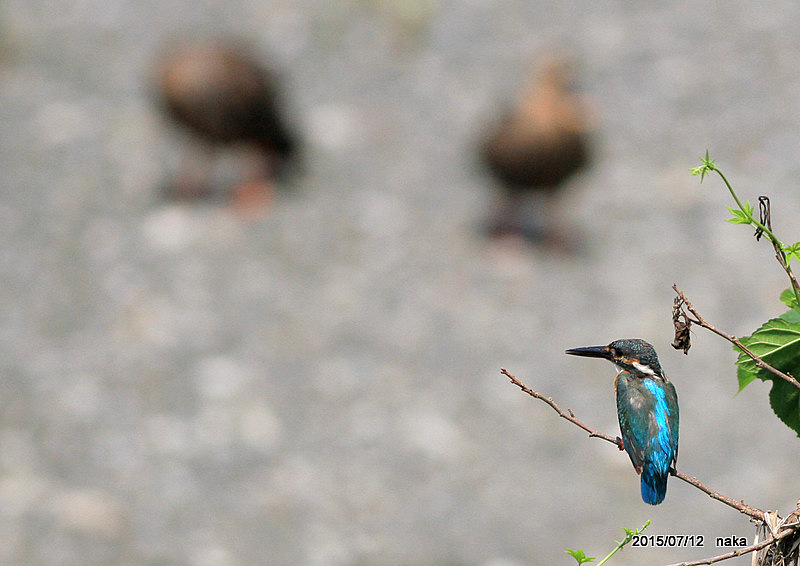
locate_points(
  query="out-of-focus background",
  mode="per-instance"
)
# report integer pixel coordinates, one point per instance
(321, 386)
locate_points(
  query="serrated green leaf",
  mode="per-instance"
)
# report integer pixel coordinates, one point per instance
(744, 375)
(792, 317)
(784, 398)
(777, 342)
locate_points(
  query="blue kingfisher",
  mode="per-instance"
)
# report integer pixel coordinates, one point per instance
(647, 408)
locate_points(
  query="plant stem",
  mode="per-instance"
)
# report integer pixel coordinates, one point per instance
(776, 243)
(753, 221)
(628, 538)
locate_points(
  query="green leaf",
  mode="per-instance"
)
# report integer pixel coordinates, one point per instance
(744, 376)
(784, 398)
(705, 168)
(739, 217)
(790, 300)
(792, 317)
(777, 342)
(580, 556)
(792, 251)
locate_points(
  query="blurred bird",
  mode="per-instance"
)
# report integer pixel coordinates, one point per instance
(647, 408)
(222, 95)
(535, 148)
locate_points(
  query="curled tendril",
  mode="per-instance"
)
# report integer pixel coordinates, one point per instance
(764, 217)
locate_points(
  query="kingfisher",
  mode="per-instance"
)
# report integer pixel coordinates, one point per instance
(647, 409)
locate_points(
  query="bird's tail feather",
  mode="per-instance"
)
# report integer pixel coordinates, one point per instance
(654, 486)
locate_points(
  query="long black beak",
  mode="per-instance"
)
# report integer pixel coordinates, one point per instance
(591, 352)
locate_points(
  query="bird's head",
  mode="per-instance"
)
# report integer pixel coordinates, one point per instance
(630, 354)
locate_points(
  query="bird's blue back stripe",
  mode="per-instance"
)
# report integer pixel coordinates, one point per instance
(660, 444)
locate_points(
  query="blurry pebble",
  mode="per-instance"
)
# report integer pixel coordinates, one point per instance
(168, 229)
(334, 127)
(432, 434)
(82, 399)
(89, 511)
(220, 377)
(168, 433)
(61, 122)
(20, 494)
(260, 427)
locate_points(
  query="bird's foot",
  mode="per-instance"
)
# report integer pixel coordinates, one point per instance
(252, 198)
(620, 444)
(556, 240)
(561, 240)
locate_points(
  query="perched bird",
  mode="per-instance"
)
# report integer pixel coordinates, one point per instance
(647, 408)
(225, 97)
(536, 147)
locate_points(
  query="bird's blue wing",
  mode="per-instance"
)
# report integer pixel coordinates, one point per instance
(672, 398)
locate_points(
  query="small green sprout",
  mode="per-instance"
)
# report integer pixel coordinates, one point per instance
(705, 168)
(792, 251)
(580, 556)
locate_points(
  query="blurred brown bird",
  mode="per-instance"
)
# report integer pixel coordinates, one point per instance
(535, 148)
(221, 94)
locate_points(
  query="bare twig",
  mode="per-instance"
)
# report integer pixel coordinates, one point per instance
(733, 340)
(756, 514)
(740, 506)
(740, 551)
(568, 414)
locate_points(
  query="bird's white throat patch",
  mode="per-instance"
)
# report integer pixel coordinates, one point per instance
(644, 368)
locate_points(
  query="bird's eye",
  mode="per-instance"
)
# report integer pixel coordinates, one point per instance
(613, 352)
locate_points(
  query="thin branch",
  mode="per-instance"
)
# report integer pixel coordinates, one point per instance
(779, 255)
(756, 514)
(563, 414)
(733, 340)
(740, 506)
(740, 551)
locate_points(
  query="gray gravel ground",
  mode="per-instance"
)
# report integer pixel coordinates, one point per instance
(321, 386)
